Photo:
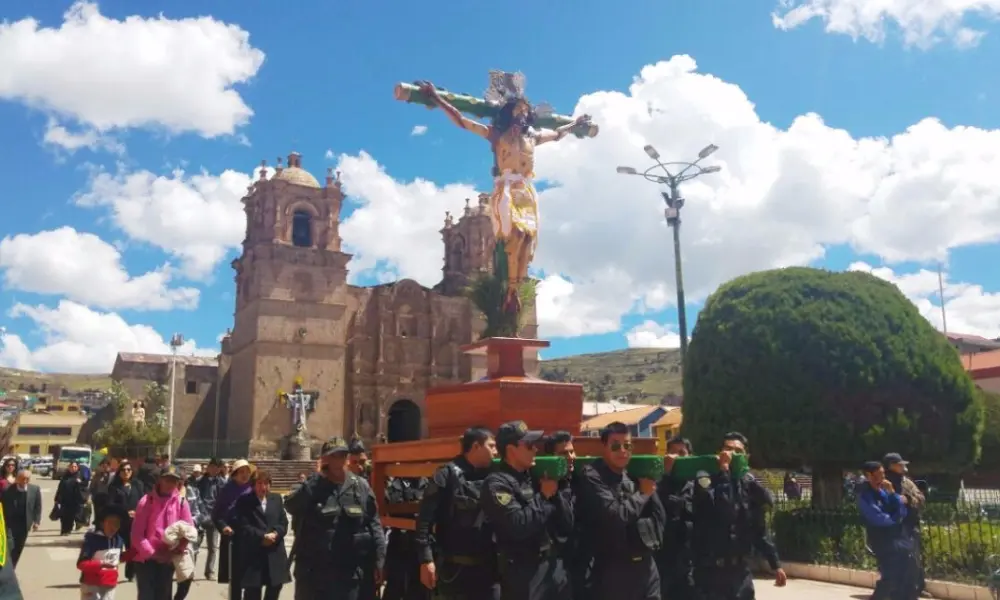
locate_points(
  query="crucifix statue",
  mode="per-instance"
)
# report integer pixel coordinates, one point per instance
(302, 403)
(516, 127)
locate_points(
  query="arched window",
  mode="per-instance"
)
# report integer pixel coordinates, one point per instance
(302, 229)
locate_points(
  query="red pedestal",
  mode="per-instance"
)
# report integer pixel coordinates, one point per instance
(505, 394)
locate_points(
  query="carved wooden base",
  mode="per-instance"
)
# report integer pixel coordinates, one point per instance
(505, 394)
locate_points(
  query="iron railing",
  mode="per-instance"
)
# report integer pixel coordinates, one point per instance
(959, 535)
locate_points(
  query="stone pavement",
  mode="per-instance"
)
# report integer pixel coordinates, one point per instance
(47, 571)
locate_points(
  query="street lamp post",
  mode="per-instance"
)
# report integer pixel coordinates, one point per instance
(672, 179)
(176, 341)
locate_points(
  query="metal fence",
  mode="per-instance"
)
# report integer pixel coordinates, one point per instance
(959, 541)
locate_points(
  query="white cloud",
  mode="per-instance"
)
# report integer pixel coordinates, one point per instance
(85, 268)
(922, 23)
(782, 198)
(197, 218)
(61, 137)
(418, 130)
(651, 334)
(13, 353)
(80, 340)
(396, 222)
(968, 308)
(329, 155)
(103, 74)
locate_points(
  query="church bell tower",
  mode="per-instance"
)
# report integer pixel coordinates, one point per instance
(291, 309)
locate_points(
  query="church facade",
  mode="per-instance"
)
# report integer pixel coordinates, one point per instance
(364, 355)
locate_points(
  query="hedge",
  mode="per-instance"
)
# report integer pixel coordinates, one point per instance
(956, 544)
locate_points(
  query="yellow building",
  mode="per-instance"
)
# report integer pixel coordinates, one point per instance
(59, 405)
(43, 433)
(667, 427)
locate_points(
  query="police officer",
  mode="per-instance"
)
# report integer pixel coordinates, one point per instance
(524, 521)
(577, 558)
(340, 536)
(625, 522)
(728, 515)
(466, 563)
(673, 560)
(402, 568)
(357, 460)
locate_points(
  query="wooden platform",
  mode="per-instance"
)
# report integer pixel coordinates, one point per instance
(423, 457)
(507, 393)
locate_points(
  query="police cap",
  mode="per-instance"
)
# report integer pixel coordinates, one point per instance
(334, 445)
(513, 432)
(893, 458)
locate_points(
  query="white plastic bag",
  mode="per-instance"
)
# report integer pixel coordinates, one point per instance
(184, 562)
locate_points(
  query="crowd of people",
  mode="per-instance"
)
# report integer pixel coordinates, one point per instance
(157, 520)
(496, 532)
(483, 531)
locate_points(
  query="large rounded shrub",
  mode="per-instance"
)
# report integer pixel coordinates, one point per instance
(990, 460)
(827, 370)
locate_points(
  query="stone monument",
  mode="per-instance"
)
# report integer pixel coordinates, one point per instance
(302, 404)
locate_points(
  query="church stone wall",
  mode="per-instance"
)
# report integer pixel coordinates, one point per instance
(363, 349)
(405, 339)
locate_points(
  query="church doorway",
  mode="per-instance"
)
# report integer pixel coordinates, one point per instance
(404, 421)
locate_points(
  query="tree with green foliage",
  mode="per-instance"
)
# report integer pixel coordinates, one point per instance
(990, 460)
(122, 436)
(827, 370)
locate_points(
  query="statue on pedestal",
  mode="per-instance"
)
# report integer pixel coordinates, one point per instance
(302, 403)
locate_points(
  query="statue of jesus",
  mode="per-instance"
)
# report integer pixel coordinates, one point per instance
(513, 206)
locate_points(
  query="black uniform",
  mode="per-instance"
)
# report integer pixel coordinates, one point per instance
(466, 561)
(673, 560)
(402, 569)
(340, 537)
(524, 522)
(626, 529)
(729, 521)
(575, 550)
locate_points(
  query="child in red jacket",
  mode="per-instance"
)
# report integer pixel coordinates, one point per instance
(102, 551)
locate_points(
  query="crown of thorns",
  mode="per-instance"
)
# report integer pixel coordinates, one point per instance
(509, 87)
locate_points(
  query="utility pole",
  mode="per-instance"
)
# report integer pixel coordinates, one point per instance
(176, 341)
(944, 316)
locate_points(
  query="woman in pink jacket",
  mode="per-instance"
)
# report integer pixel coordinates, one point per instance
(159, 509)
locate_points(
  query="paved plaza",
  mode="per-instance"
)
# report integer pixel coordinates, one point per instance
(47, 571)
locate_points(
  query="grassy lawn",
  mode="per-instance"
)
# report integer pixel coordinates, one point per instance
(637, 375)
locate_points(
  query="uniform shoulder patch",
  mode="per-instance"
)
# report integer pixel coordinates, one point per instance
(503, 498)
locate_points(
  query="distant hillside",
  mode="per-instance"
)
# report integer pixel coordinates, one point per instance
(14, 380)
(635, 375)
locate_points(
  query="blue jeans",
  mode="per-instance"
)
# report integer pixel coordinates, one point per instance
(154, 580)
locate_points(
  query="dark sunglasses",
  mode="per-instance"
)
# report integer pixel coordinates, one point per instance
(619, 446)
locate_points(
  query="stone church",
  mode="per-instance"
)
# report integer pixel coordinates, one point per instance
(366, 355)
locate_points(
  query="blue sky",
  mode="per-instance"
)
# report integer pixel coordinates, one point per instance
(129, 138)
